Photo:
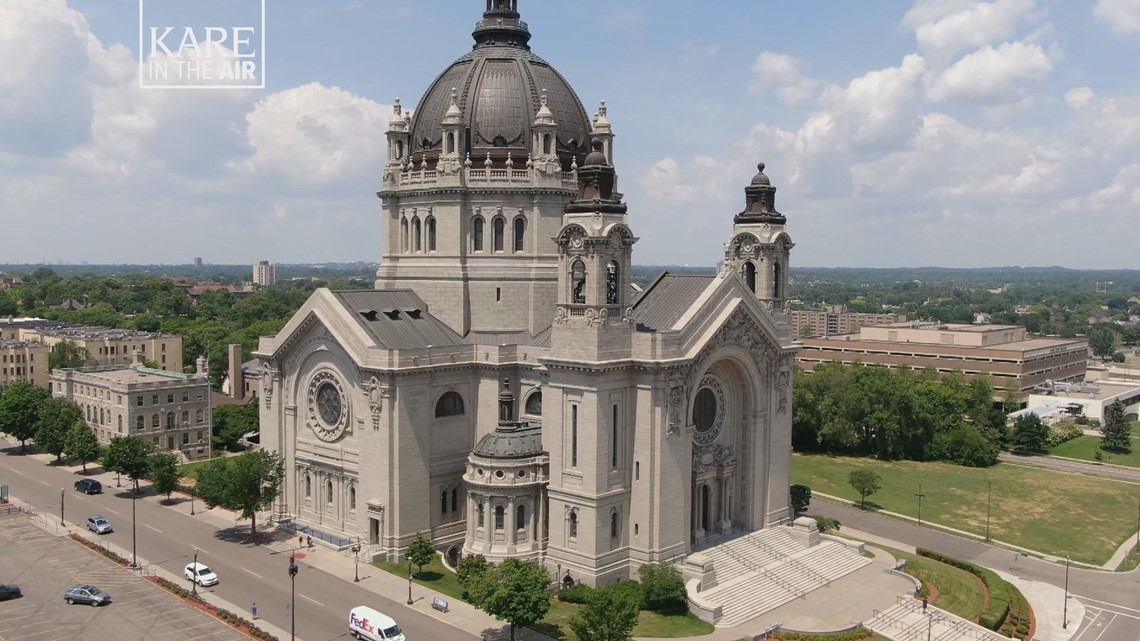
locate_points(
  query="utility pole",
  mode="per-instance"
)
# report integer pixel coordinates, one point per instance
(989, 489)
(919, 494)
(194, 574)
(292, 597)
(1065, 609)
(61, 495)
(134, 533)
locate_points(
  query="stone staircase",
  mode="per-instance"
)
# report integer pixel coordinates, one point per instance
(906, 621)
(763, 570)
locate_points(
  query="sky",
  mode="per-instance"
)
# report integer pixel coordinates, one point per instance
(955, 133)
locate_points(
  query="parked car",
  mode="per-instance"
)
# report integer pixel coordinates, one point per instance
(89, 486)
(8, 591)
(99, 525)
(200, 574)
(87, 595)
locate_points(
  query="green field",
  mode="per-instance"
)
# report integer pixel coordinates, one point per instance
(1052, 512)
(1084, 448)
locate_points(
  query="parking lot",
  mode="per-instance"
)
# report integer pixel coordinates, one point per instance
(44, 566)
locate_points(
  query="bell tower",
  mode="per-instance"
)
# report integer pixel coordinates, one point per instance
(759, 247)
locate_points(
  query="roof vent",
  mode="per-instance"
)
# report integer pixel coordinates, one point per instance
(414, 313)
(393, 314)
(369, 314)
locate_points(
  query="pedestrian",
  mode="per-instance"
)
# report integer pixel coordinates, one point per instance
(917, 591)
(310, 541)
(924, 604)
(300, 540)
(253, 609)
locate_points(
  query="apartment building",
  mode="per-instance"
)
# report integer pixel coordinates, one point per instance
(171, 409)
(23, 361)
(835, 319)
(1004, 352)
(104, 345)
(264, 274)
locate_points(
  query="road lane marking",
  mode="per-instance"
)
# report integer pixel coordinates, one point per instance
(1114, 605)
(44, 482)
(112, 511)
(155, 529)
(313, 600)
(258, 575)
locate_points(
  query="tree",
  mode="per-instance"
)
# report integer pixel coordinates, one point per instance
(1115, 432)
(129, 455)
(231, 423)
(470, 568)
(826, 524)
(164, 473)
(1030, 433)
(67, 354)
(1102, 340)
(801, 498)
(81, 444)
(247, 483)
(56, 418)
(866, 482)
(20, 410)
(421, 551)
(610, 614)
(514, 591)
(662, 586)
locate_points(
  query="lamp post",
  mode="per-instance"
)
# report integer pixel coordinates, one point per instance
(919, 494)
(117, 478)
(410, 581)
(989, 487)
(1065, 609)
(292, 597)
(192, 501)
(194, 574)
(356, 562)
(134, 532)
(61, 495)
(929, 624)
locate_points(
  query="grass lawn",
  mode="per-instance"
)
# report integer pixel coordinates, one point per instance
(1056, 513)
(557, 623)
(1084, 448)
(958, 591)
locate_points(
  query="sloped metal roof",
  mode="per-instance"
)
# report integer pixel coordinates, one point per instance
(515, 440)
(666, 299)
(396, 319)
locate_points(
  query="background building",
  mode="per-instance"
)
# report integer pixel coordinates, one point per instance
(1002, 351)
(104, 345)
(264, 274)
(170, 409)
(837, 320)
(23, 361)
(1093, 398)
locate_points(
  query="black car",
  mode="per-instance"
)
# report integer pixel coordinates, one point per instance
(9, 592)
(89, 486)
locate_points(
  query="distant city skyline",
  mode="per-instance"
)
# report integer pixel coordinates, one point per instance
(952, 133)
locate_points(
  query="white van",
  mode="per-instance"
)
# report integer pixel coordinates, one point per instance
(366, 623)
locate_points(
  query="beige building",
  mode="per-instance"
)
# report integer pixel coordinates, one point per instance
(837, 320)
(264, 274)
(23, 361)
(502, 388)
(1005, 352)
(170, 409)
(104, 345)
(1093, 397)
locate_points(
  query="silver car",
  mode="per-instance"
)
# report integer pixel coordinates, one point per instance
(99, 525)
(86, 594)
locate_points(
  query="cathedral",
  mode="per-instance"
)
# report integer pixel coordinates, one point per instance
(506, 389)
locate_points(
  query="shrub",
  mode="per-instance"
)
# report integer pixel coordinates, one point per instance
(965, 446)
(825, 524)
(1062, 433)
(851, 635)
(633, 590)
(579, 594)
(663, 586)
(801, 498)
(1007, 606)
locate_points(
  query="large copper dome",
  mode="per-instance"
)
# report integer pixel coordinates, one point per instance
(499, 85)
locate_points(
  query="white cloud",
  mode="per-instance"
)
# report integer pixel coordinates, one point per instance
(942, 28)
(991, 74)
(1079, 98)
(1124, 189)
(780, 72)
(1122, 16)
(664, 181)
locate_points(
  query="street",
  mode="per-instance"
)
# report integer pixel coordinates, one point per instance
(249, 573)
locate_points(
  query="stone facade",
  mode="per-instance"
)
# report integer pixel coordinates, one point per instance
(25, 361)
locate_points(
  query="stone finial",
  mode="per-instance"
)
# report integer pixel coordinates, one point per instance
(467, 162)
(510, 163)
(487, 162)
(574, 164)
(396, 107)
(545, 98)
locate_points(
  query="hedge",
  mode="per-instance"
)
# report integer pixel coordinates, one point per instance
(1007, 610)
(851, 635)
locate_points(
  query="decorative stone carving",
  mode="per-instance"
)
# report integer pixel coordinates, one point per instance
(712, 457)
(707, 436)
(783, 382)
(675, 402)
(268, 375)
(376, 394)
(327, 406)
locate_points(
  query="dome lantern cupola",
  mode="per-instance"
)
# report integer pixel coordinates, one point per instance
(760, 201)
(501, 26)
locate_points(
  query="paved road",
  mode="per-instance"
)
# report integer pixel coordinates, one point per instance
(1076, 467)
(249, 573)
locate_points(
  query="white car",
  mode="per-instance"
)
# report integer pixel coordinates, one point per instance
(200, 574)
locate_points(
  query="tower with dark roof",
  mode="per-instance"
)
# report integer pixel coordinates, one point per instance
(759, 247)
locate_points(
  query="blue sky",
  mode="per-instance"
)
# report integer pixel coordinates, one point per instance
(949, 132)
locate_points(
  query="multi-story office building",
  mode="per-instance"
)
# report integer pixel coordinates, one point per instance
(23, 361)
(837, 320)
(1004, 352)
(264, 274)
(104, 345)
(171, 409)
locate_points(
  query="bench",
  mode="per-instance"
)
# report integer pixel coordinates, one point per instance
(439, 604)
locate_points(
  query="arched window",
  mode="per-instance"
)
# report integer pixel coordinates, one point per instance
(776, 281)
(404, 235)
(154, 421)
(546, 144)
(498, 517)
(120, 422)
(450, 404)
(140, 422)
(614, 524)
(352, 498)
(748, 273)
(450, 143)
(399, 149)
(578, 283)
(454, 499)
(328, 492)
(308, 486)
(198, 416)
(477, 234)
(497, 239)
(87, 410)
(520, 517)
(101, 421)
(612, 283)
(534, 403)
(573, 525)
(520, 233)
(169, 420)
(443, 502)
(185, 417)
(430, 234)
(479, 510)
(417, 244)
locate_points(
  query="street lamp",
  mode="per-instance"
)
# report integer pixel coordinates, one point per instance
(989, 488)
(134, 531)
(292, 597)
(919, 494)
(356, 562)
(192, 501)
(61, 494)
(410, 581)
(1065, 609)
(929, 624)
(194, 575)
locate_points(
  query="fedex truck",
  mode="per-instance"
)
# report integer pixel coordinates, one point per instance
(371, 625)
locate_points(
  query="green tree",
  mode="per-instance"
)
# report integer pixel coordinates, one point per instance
(866, 482)
(514, 591)
(1030, 433)
(56, 416)
(1102, 340)
(801, 498)
(966, 446)
(81, 444)
(246, 483)
(66, 354)
(470, 568)
(231, 423)
(610, 614)
(421, 551)
(1115, 432)
(662, 586)
(130, 456)
(164, 473)
(20, 411)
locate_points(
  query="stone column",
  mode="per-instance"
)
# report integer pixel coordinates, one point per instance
(509, 522)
